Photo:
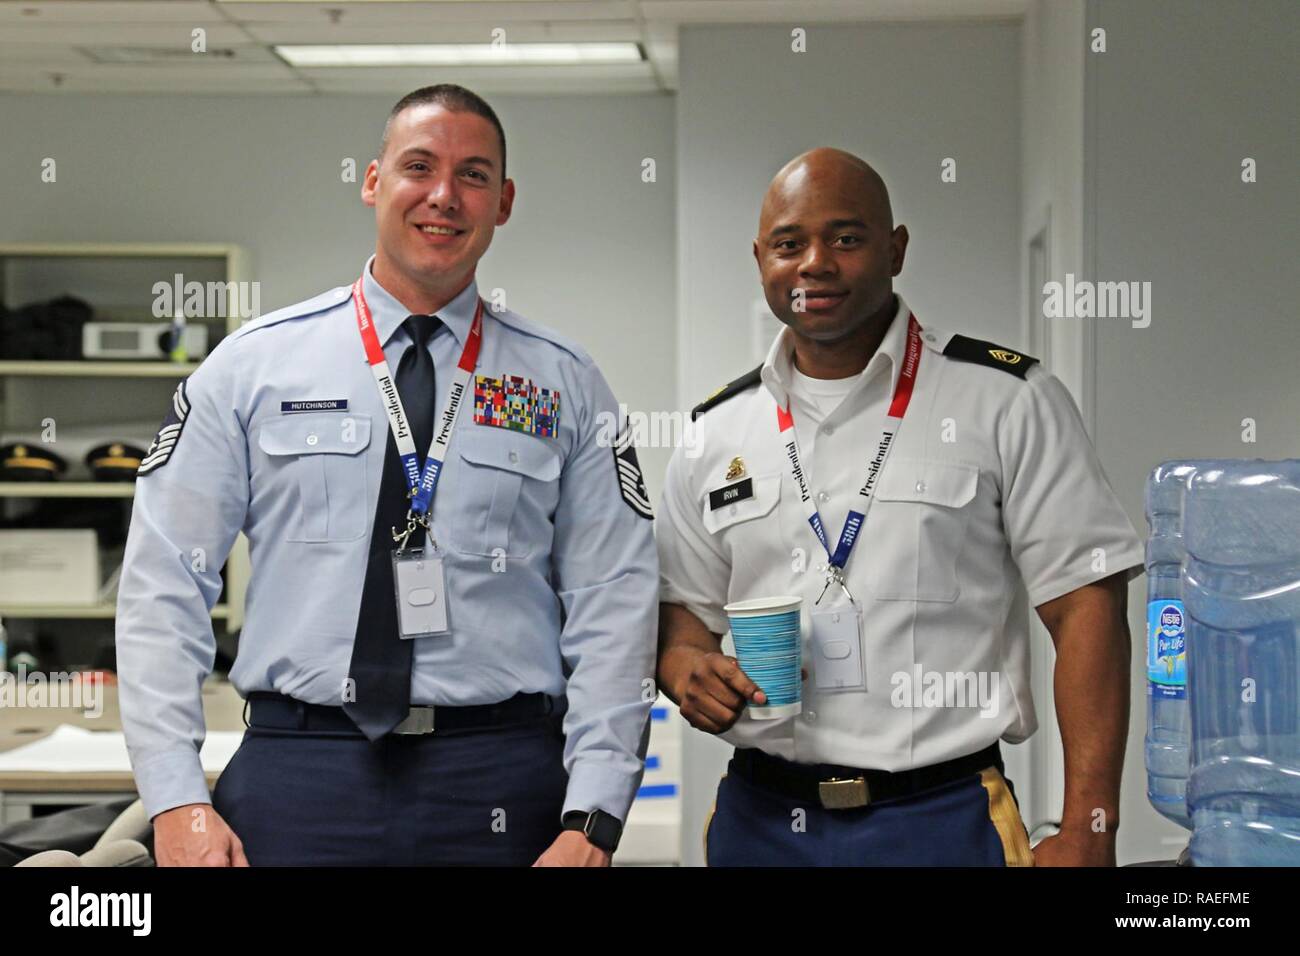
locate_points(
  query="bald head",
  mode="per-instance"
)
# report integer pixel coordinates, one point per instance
(834, 174)
(827, 250)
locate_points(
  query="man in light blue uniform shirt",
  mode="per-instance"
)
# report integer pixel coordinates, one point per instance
(523, 740)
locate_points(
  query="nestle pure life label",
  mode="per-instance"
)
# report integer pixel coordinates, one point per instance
(1166, 649)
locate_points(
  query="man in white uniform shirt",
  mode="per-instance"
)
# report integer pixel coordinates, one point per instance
(963, 480)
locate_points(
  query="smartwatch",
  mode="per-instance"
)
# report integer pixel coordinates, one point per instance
(601, 829)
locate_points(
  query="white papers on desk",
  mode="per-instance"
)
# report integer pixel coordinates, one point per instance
(72, 749)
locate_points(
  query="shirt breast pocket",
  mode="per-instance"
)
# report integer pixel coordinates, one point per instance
(916, 529)
(320, 457)
(742, 519)
(501, 469)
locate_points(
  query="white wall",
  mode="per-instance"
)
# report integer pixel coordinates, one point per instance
(589, 250)
(1051, 189)
(1052, 89)
(901, 96)
(1185, 91)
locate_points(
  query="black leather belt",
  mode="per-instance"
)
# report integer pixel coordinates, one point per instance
(267, 711)
(842, 788)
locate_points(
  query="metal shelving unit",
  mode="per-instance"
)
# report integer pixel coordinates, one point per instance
(82, 611)
(66, 489)
(99, 369)
(99, 376)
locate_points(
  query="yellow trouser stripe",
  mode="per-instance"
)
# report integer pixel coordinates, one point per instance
(1006, 819)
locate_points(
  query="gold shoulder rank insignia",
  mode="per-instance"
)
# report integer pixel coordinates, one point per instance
(731, 389)
(990, 354)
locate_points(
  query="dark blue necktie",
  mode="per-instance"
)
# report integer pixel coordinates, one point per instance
(381, 660)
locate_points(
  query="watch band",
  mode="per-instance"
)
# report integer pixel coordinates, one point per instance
(602, 830)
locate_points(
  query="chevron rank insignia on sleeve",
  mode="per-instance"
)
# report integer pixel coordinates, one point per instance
(169, 433)
(631, 483)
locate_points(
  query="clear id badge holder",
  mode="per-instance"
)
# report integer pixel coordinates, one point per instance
(837, 639)
(420, 587)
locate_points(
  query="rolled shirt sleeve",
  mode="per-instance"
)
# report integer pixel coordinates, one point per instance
(190, 502)
(1063, 523)
(694, 572)
(606, 575)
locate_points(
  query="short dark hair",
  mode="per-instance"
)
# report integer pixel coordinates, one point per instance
(451, 97)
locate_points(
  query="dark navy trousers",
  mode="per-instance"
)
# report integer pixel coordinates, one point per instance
(974, 821)
(485, 797)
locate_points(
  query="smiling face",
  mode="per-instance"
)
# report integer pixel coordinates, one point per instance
(827, 250)
(438, 196)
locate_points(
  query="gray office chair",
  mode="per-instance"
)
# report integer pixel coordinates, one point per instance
(122, 844)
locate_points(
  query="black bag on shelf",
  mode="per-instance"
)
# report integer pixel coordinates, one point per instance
(44, 330)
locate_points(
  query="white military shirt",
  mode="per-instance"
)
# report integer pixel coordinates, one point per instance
(992, 490)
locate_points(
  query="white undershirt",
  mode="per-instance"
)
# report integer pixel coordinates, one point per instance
(824, 393)
(815, 399)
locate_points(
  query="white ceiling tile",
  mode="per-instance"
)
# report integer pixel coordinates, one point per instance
(625, 78)
(824, 11)
(58, 37)
(27, 81)
(48, 55)
(177, 34)
(69, 12)
(112, 56)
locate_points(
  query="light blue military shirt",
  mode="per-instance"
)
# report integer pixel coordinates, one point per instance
(551, 568)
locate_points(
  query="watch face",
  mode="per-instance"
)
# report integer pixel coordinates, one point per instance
(604, 830)
(600, 828)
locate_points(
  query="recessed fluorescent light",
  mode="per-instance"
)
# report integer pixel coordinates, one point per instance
(380, 1)
(368, 1)
(461, 54)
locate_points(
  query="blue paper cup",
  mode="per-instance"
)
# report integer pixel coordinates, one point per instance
(769, 646)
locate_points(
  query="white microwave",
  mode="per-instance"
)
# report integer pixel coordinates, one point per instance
(139, 340)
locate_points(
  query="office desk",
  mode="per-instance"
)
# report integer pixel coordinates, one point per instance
(20, 792)
(651, 835)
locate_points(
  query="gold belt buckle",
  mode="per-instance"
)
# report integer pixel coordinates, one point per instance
(837, 794)
(419, 720)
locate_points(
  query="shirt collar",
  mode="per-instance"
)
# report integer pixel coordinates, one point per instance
(779, 365)
(389, 314)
